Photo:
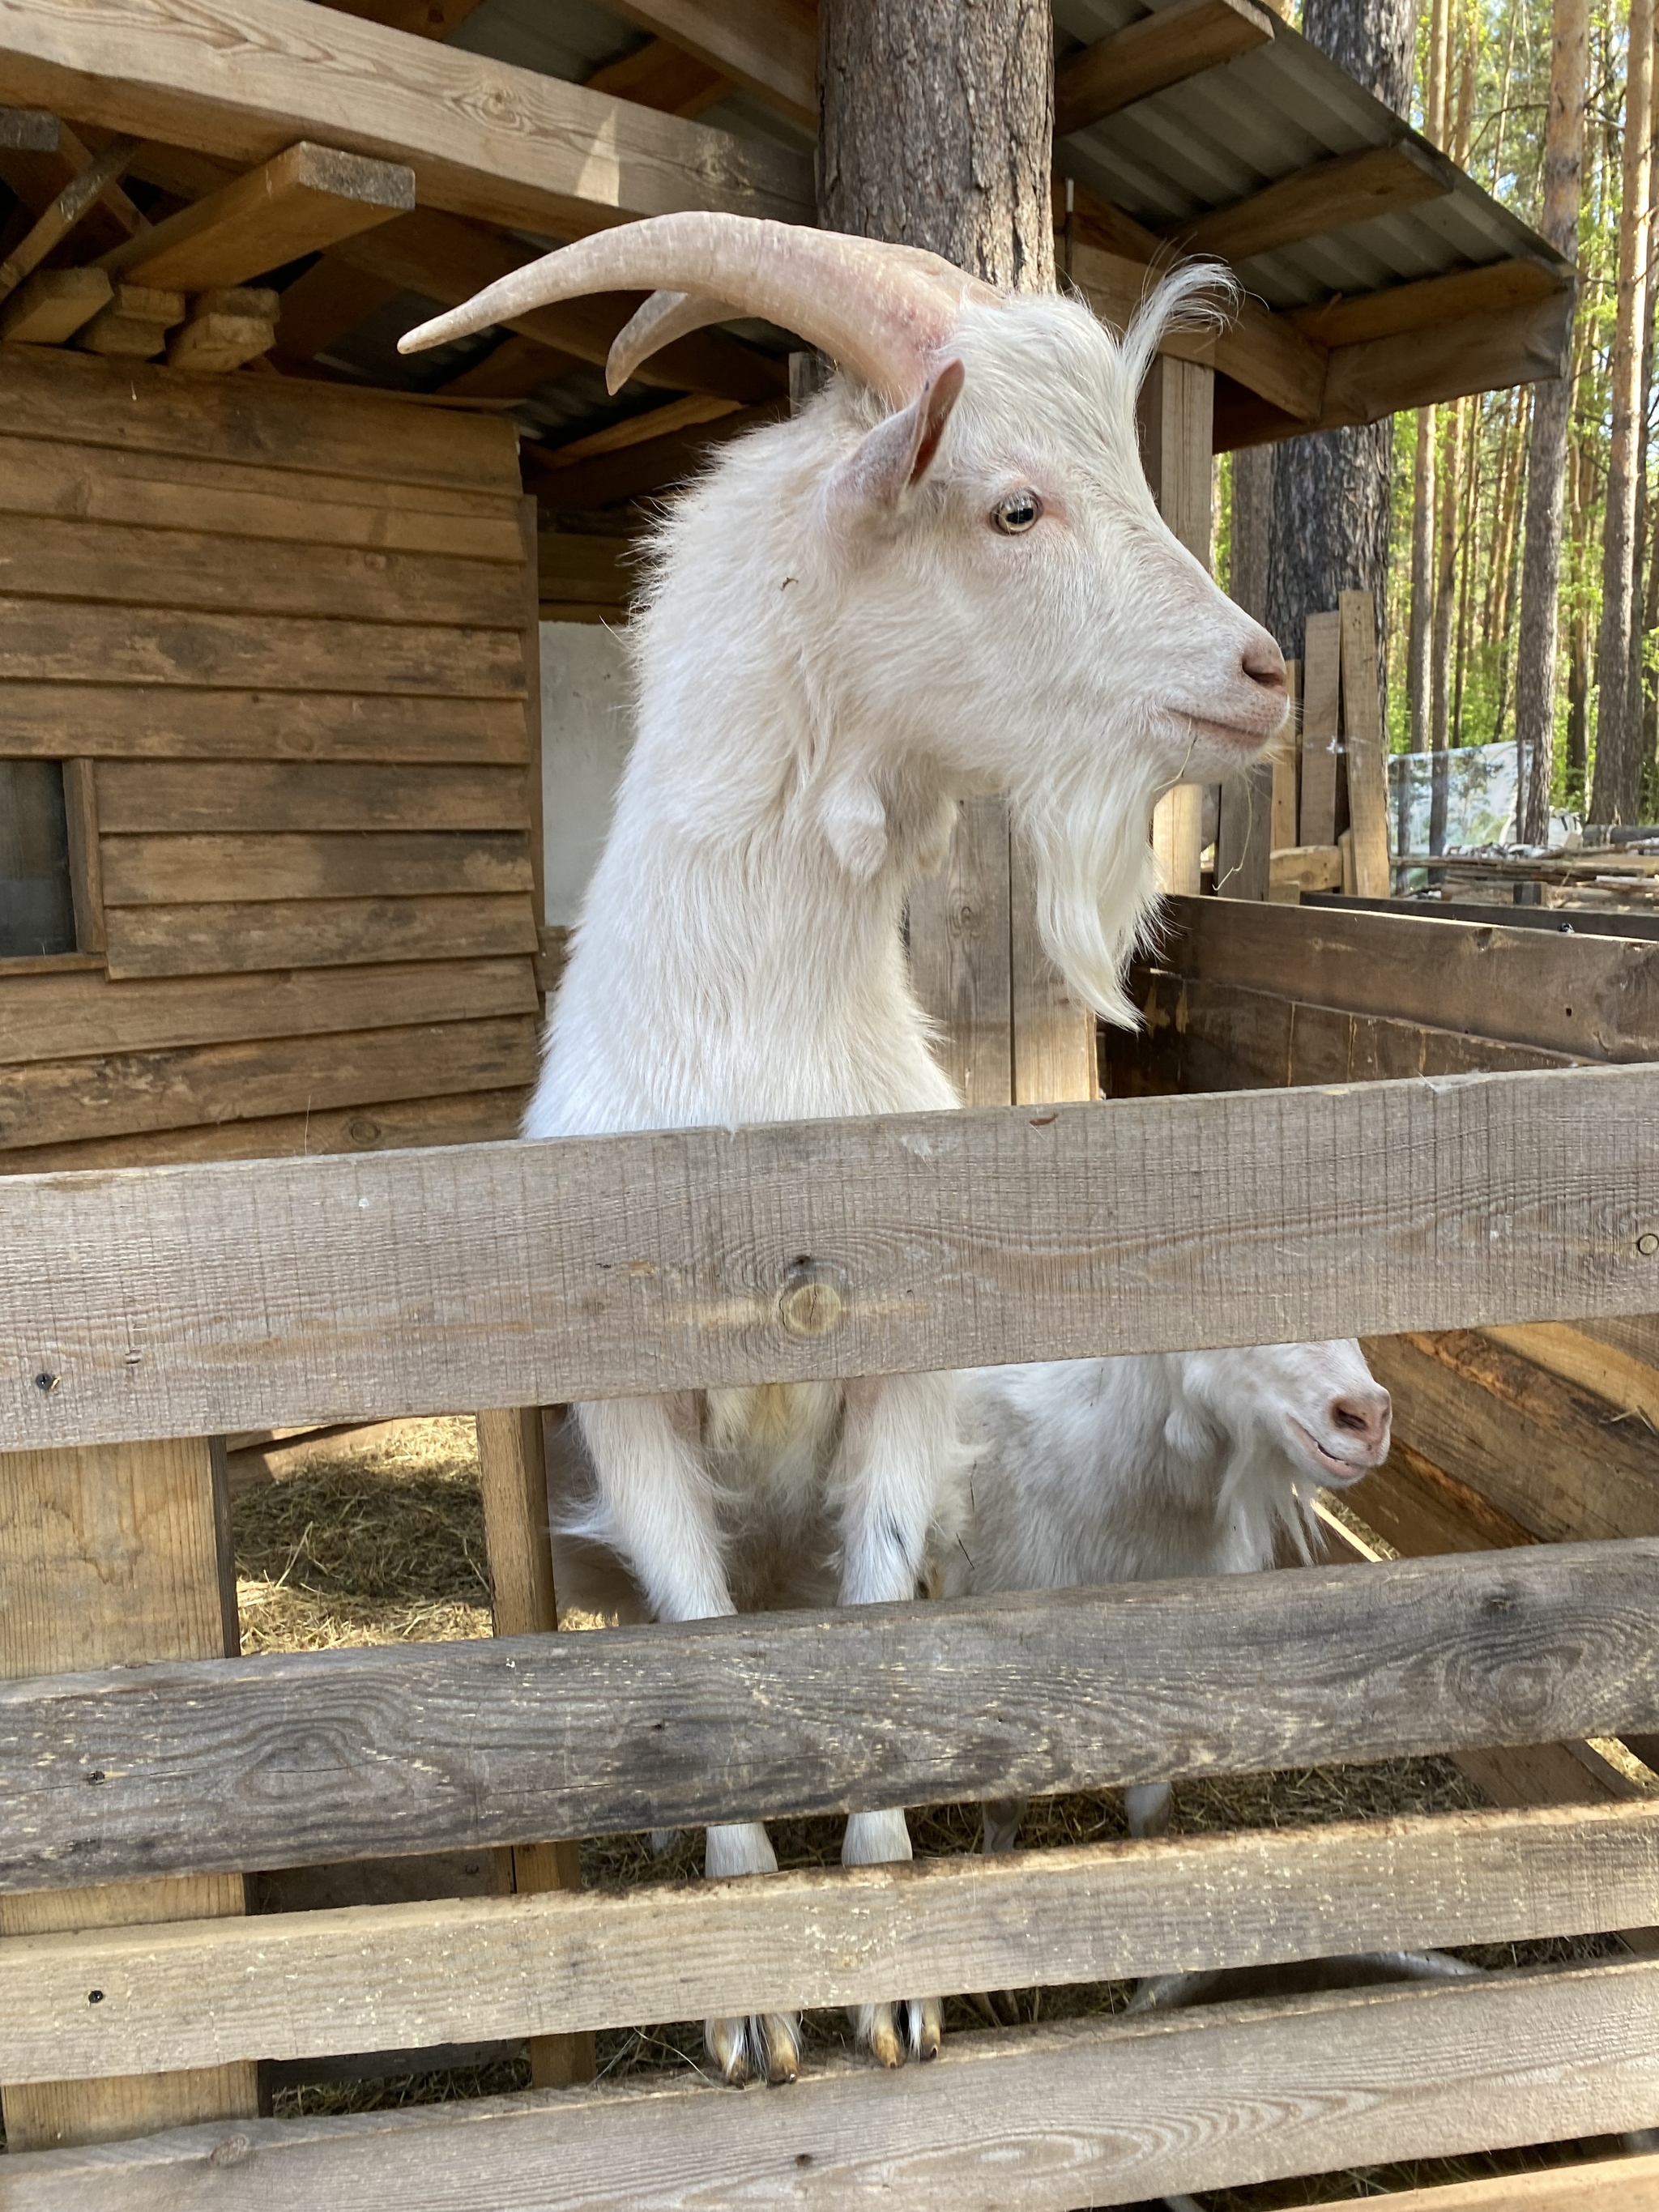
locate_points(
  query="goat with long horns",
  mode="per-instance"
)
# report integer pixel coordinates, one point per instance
(945, 575)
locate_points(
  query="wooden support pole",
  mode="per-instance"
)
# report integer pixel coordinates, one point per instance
(110, 1555)
(512, 1481)
(1321, 680)
(1366, 746)
(1177, 404)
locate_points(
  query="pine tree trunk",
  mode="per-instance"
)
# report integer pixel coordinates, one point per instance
(1331, 492)
(1616, 791)
(1420, 650)
(1547, 446)
(936, 130)
(1635, 717)
(1445, 596)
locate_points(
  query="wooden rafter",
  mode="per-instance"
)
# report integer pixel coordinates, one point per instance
(421, 18)
(770, 47)
(1327, 195)
(662, 76)
(1430, 301)
(637, 471)
(1150, 55)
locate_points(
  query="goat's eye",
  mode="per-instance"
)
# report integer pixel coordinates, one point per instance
(1016, 514)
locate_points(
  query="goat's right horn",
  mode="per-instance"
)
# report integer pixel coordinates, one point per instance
(880, 310)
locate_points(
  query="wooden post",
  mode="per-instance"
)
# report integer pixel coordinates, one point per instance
(110, 1555)
(1322, 677)
(1366, 745)
(1178, 406)
(512, 1481)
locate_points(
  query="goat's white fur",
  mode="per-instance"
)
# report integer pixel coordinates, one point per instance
(1143, 1468)
(832, 652)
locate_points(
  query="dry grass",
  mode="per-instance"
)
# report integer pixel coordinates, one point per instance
(387, 1547)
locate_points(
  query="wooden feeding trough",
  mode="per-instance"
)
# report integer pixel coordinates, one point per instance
(305, 852)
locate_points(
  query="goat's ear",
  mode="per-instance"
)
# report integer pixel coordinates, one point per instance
(898, 452)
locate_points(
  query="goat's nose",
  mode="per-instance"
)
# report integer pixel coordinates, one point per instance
(1263, 663)
(1366, 1418)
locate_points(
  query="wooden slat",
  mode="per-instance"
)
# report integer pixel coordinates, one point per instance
(1630, 2184)
(1322, 692)
(300, 201)
(85, 853)
(249, 939)
(37, 178)
(948, 1240)
(1484, 353)
(244, 78)
(1551, 1455)
(960, 952)
(440, 1747)
(62, 1102)
(55, 640)
(49, 1017)
(93, 562)
(57, 221)
(1177, 408)
(135, 410)
(303, 1983)
(91, 483)
(1631, 1384)
(1597, 998)
(52, 305)
(1083, 2112)
(611, 479)
(1365, 744)
(1349, 320)
(1327, 195)
(770, 47)
(468, 1117)
(127, 723)
(1150, 55)
(161, 869)
(1243, 840)
(258, 797)
(107, 1556)
(657, 75)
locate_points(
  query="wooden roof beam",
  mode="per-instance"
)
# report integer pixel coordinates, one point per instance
(661, 75)
(307, 199)
(770, 47)
(1150, 56)
(1430, 301)
(37, 175)
(1325, 197)
(639, 472)
(420, 18)
(243, 79)
(29, 130)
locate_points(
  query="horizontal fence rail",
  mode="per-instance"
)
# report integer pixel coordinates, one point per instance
(311, 1757)
(187, 1300)
(1043, 2121)
(392, 1977)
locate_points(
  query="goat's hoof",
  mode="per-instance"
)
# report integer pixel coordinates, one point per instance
(914, 2028)
(755, 2047)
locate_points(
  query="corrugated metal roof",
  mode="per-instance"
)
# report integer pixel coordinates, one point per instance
(1220, 137)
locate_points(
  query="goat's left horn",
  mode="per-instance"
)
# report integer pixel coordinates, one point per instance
(881, 311)
(665, 317)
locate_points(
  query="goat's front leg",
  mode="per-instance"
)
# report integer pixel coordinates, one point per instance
(899, 1450)
(660, 1504)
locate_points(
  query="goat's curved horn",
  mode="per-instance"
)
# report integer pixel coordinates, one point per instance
(665, 317)
(880, 310)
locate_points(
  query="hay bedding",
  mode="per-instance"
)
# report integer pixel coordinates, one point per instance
(386, 1546)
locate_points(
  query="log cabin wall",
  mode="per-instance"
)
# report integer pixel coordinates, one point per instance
(283, 639)
(1504, 1435)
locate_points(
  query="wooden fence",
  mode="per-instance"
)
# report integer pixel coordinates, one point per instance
(184, 1302)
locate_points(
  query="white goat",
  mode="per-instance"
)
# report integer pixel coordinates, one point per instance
(946, 575)
(1138, 1469)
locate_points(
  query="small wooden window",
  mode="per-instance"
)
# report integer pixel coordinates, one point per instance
(50, 899)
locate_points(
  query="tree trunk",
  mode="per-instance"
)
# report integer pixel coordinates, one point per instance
(1445, 596)
(1547, 449)
(936, 130)
(1331, 492)
(1417, 667)
(1635, 717)
(1616, 793)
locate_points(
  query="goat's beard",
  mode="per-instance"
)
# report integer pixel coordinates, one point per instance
(1096, 881)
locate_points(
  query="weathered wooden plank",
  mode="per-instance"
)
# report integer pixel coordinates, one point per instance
(441, 1747)
(85, 853)
(1177, 405)
(47, 1017)
(115, 1556)
(249, 501)
(52, 303)
(1365, 745)
(1150, 55)
(947, 1240)
(1631, 2183)
(768, 46)
(96, 563)
(146, 871)
(1595, 998)
(507, 145)
(1552, 1454)
(303, 1983)
(130, 722)
(1322, 692)
(1244, 846)
(281, 426)
(64, 1102)
(1629, 1385)
(1326, 196)
(54, 641)
(271, 933)
(261, 797)
(960, 953)
(1466, 353)
(298, 202)
(470, 1117)
(1040, 2121)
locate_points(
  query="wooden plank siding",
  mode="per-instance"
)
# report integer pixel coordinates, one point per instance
(278, 633)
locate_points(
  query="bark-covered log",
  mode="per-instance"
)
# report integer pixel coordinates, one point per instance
(936, 130)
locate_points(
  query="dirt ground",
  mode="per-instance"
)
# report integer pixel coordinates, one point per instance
(386, 1546)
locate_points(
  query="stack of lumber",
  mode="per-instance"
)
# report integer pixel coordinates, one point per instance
(282, 638)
